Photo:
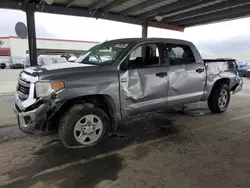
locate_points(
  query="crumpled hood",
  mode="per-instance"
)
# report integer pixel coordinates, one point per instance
(55, 66)
(59, 70)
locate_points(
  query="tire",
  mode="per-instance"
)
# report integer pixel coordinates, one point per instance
(72, 120)
(215, 101)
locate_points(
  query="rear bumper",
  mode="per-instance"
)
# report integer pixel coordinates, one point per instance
(238, 87)
(31, 121)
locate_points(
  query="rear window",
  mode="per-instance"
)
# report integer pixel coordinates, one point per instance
(179, 54)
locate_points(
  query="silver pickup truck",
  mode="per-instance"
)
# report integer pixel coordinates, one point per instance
(119, 78)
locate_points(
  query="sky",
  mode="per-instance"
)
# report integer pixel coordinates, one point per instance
(225, 39)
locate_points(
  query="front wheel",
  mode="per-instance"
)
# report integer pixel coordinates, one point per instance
(219, 98)
(83, 125)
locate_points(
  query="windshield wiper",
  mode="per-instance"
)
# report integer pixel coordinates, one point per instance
(99, 64)
(88, 63)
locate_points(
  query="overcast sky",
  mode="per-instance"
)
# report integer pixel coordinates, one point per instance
(227, 39)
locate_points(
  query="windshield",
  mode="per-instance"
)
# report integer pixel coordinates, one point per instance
(102, 54)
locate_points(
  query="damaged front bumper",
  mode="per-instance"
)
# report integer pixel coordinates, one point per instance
(33, 120)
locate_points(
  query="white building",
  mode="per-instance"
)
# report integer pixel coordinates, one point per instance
(16, 48)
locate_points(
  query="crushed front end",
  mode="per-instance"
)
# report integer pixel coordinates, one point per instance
(33, 112)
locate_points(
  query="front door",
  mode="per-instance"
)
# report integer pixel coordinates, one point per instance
(143, 83)
(186, 75)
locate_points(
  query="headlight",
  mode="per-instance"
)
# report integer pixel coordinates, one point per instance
(44, 89)
(248, 70)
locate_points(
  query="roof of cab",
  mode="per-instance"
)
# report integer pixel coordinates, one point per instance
(137, 40)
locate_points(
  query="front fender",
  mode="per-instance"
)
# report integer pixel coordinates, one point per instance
(111, 90)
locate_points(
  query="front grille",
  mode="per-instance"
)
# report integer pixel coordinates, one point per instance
(23, 89)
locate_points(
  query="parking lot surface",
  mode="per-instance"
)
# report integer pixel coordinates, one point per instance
(167, 148)
(8, 80)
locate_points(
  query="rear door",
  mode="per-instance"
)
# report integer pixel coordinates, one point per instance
(143, 81)
(186, 74)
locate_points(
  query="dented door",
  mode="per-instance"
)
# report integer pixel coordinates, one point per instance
(185, 84)
(143, 87)
(143, 90)
(187, 75)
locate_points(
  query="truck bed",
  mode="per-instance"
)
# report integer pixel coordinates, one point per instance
(221, 64)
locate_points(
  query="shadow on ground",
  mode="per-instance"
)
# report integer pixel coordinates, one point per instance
(138, 129)
(81, 175)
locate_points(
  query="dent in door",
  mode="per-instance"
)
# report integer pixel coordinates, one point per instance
(185, 84)
(140, 91)
(177, 80)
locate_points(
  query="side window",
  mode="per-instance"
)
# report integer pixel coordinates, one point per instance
(179, 54)
(144, 57)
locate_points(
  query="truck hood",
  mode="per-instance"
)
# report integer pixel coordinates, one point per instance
(60, 69)
(55, 66)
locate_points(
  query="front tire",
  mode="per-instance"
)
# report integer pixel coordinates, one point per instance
(83, 125)
(219, 98)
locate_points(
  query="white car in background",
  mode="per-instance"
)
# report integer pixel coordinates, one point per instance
(51, 59)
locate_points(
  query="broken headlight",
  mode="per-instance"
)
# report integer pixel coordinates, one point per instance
(45, 88)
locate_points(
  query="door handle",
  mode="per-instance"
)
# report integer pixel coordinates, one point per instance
(200, 70)
(161, 74)
(123, 80)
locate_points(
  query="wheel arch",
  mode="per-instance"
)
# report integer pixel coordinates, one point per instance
(214, 97)
(221, 81)
(103, 101)
(216, 83)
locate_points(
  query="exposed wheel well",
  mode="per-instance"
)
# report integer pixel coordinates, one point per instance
(223, 80)
(104, 102)
(219, 82)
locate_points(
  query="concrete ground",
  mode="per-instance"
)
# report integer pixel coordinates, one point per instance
(169, 148)
(8, 80)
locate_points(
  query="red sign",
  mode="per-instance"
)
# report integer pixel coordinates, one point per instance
(5, 52)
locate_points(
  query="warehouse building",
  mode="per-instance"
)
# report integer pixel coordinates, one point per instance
(15, 50)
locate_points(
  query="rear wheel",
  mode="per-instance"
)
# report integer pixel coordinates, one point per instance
(83, 124)
(219, 98)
